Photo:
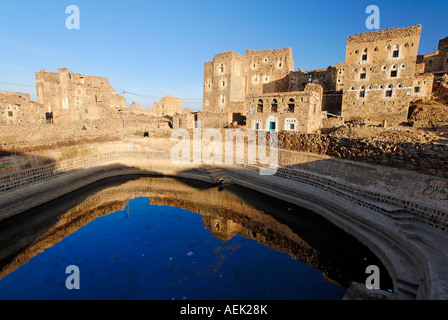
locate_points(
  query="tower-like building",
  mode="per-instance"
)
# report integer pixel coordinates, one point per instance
(379, 71)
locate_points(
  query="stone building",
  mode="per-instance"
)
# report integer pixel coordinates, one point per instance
(137, 108)
(16, 107)
(230, 77)
(167, 106)
(379, 74)
(293, 111)
(436, 62)
(185, 120)
(73, 96)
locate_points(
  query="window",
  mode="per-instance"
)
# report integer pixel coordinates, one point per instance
(417, 89)
(292, 126)
(363, 74)
(221, 68)
(364, 55)
(10, 114)
(384, 68)
(403, 66)
(291, 105)
(257, 126)
(274, 105)
(260, 106)
(394, 71)
(396, 51)
(389, 91)
(362, 92)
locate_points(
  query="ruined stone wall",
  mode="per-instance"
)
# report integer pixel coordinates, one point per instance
(325, 77)
(379, 73)
(437, 61)
(16, 107)
(296, 111)
(441, 88)
(72, 96)
(214, 119)
(184, 120)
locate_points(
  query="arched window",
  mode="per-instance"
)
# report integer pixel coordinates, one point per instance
(274, 105)
(364, 55)
(221, 68)
(291, 105)
(260, 106)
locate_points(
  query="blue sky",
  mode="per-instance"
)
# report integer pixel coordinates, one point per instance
(158, 48)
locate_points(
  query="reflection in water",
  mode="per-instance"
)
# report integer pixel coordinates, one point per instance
(144, 236)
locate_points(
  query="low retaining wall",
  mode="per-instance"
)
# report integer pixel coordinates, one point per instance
(426, 158)
(399, 215)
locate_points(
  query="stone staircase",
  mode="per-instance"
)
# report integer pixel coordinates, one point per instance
(407, 290)
(215, 173)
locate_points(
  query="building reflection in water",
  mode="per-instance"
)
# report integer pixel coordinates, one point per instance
(226, 212)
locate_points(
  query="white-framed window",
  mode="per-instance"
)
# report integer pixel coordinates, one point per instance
(257, 124)
(290, 124)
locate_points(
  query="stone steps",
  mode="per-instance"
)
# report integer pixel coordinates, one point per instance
(407, 289)
(215, 173)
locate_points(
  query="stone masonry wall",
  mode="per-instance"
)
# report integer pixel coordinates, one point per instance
(426, 158)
